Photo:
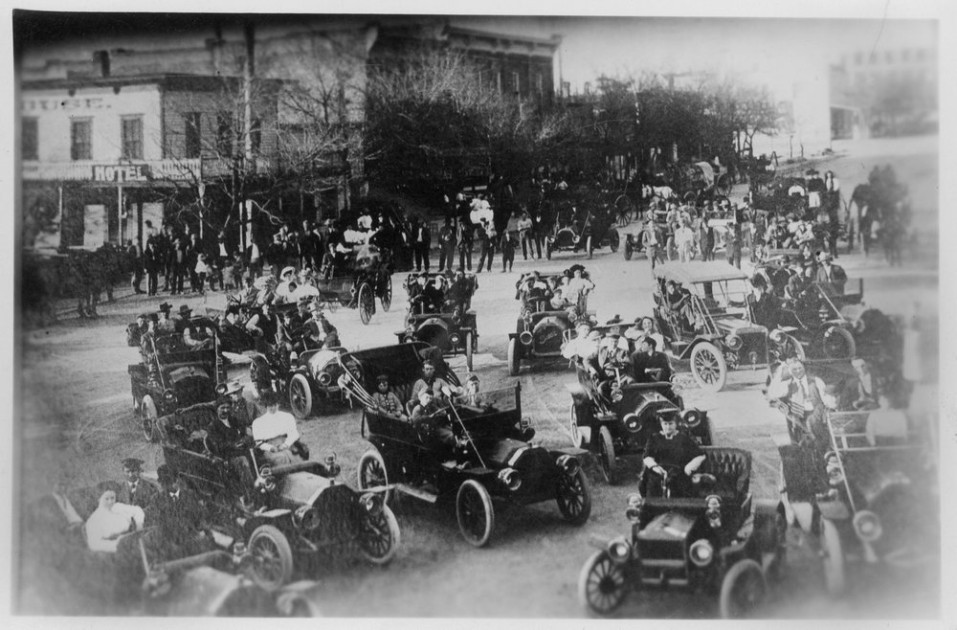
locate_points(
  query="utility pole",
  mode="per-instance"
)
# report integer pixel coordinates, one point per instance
(249, 70)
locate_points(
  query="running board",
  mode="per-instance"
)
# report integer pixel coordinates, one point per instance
(417, 493)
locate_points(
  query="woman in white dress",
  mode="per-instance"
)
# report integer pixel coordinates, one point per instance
(111, 520)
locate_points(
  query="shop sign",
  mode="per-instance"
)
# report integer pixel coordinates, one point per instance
(121, 173)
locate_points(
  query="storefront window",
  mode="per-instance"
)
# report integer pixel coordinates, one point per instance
(81, 133)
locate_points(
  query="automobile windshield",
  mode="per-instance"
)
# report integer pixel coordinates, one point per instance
(724, 299)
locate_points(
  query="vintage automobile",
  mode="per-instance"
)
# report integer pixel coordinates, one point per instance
(172, 376)
(872, 501)
(541, 330)
(496, 459)
(615, 420)
(715, 328)
(306, 378)
(299, 513)
(355, 279)
(453, 329)
(720, 542)
(130, 581)
(596, 231)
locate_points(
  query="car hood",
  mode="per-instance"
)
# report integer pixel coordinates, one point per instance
(668, 527)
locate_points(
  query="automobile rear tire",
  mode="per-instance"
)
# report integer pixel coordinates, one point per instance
(606, 456)
(386, 298)
(272, 558)
(574, 497)
(300, 396)
(588, 247)
(838, 343)
(149, 417)
(379, 537)
(513, 358)
(833, 558)
(366, 303)
(708, 367)
(469, 342)
(614, 240)
(628, 249)
(743, 589)
(602, 584)
(372, 472)
(474, 512)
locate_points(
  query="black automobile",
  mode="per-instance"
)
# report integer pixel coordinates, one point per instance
(871, 500)
(615, 419)
(496, 461)
(355, 279)
(171, 376)
(718, 542)
(594, 232)
(541, 330)
(305, 379)
(300, 511)
(449, 325)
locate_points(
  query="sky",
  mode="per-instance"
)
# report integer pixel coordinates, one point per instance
(760, 50)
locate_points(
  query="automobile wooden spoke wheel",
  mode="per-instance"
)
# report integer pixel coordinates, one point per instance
(300, 396)
(372, 472)
(379, 536)
(708, 367)
(272, 557)
(743, 590)
(602, 584)
(474, 512)
(574, 497)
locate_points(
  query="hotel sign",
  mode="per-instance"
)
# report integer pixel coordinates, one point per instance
(153, 171)
(121, 173)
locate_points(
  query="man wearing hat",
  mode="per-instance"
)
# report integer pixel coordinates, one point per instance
(195, 337)
(179, 517)
(385, 400)
(648, 365)
(165, 325)
(831, 277)
(798, 396)
(226, 438)
(319, 330)
(651, 241)
(764, 307)
(136, 330)
(439, 387)
(264, 326)
(135, 491)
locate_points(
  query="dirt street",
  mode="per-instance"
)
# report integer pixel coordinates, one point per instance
(76, 413)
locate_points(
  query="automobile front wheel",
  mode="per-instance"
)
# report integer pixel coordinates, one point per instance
(149, 417)
(629, 250)
(614, 240)
(300, 396)
(743, 590)
(469, 349)
(513, 358)
(366, 303)
(606, 456)
(386, 298)
(574, 431)
(372, 472)
(474, 512)
(272, 557)
(379, 536)
(602, 584)
(588, 247)
(708, 367)
(833, 558)
(574, 497)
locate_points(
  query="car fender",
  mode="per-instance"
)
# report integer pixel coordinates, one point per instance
(280, 518)
(567, 450)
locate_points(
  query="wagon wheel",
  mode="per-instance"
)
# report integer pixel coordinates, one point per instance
(708, 367)
(743, 589)
(386, 297)
(614, 240)
(379, 537)
(366, 303)
(474, 512)
(601, 584)
(606, 456)
(300, 396)
(272, 557)
(469, 348)
(833, 558)
(372, 472)
(514, 358)
(626, 210)
(838, 343)
(573, 497)
(149, 417)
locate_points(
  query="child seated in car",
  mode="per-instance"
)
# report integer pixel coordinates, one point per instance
(386, 402)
